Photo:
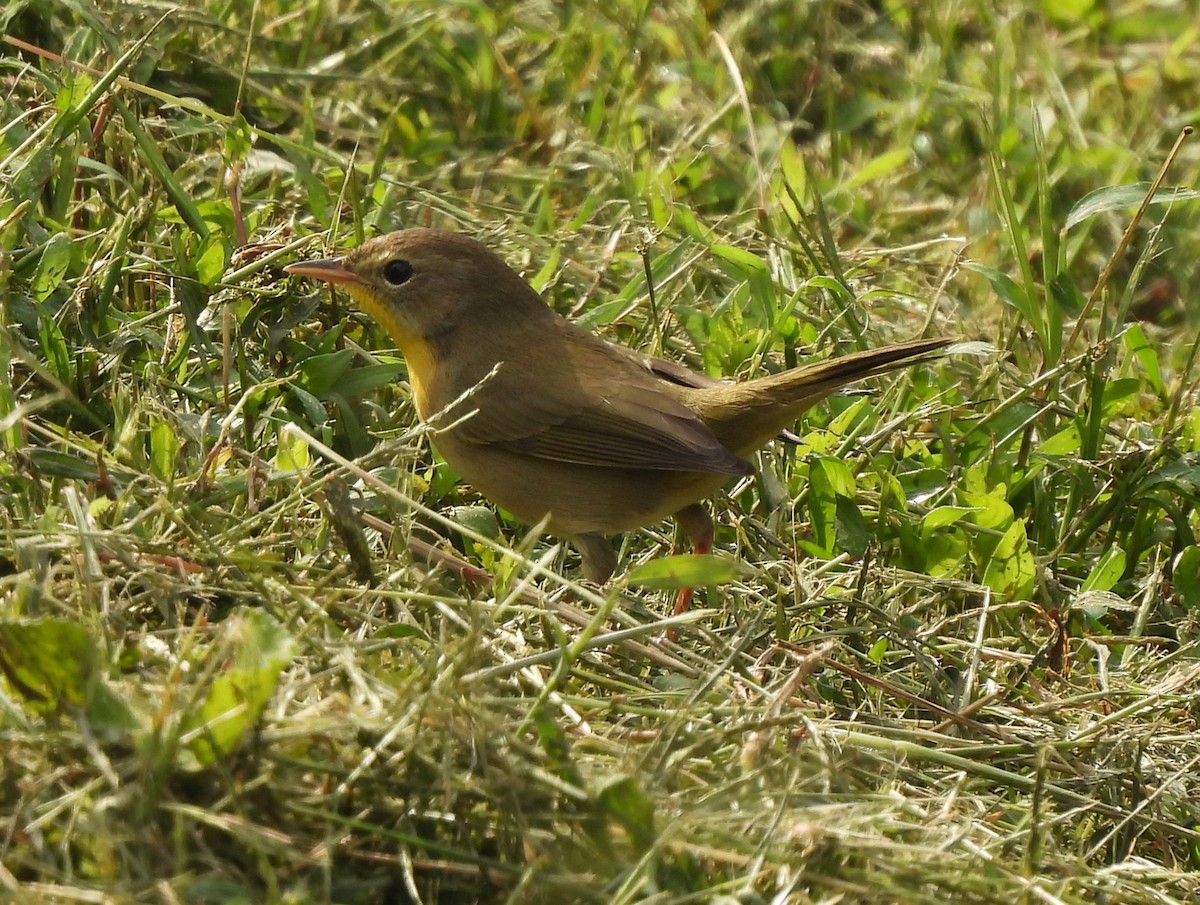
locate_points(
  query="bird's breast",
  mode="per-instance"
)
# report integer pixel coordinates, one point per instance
(418, 353)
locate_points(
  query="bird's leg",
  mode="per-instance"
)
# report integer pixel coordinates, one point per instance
(698, 526)
(599, 558)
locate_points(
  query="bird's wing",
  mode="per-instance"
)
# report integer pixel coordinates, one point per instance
(587, 403)
(672, 371)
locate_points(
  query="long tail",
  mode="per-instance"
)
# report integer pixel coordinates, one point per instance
(746, 415)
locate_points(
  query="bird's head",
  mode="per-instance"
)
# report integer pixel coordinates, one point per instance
(424, 286)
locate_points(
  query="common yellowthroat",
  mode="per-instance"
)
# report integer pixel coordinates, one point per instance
(548, 420)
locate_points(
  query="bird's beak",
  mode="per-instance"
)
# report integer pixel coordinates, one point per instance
(331, 270)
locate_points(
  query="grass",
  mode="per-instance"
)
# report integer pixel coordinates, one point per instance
(259, 645)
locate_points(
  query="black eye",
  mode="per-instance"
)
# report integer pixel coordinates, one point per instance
(397, 271)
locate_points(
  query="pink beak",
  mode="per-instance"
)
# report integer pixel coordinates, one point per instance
(331, 270)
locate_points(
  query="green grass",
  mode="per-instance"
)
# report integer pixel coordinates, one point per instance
(958, 659)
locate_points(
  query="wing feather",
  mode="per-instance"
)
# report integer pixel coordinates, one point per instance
(593, 406)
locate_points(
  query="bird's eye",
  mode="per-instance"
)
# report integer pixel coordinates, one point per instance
(397, 271)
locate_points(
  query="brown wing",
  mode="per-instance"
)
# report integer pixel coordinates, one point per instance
(674, 372)
(576, 399)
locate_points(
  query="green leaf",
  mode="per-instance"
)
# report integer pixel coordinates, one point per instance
(1123, 197)
(359, 381)
(256, 649)
(73, 91)
(838, 474)
(822, 508)
(1011, 569)
(54, 347)
(50, 662)
(164, 447)
(1117, 392)
(210, 263)
(1107, 572)
(479, 519)
(1067, 13)
(622, 799)
(1012, 294)
(989, 509)
(399, 631)
(745, 264)
(292, 452)
(313, 410)
(319, 373)
(830, 488)
(1186, 575)
(154, 160)
(689, 570)
(1064, 443)
(239, 139)
(750, 268)
(877, 167)
(55, 665)
(943, 517)
(878, 651)
(943, 553)
(851, 528)
(1145, 353)
(52, 266)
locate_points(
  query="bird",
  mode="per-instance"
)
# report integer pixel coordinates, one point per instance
(556, 424)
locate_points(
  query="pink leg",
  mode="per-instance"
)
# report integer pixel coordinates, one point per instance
(697, 525)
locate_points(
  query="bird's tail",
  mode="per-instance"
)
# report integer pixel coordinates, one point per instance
(747, 415)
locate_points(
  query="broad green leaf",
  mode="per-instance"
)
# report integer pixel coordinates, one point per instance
(822, 507)
(990, 509)
(320, 373)
(851, 528)
(360, 381)
(878, 651)
(164, 447)
(309, 404)
(688, 570)
(943, 517)
(838, 473)
(1186, 574)
(943, 553)
(479, 519)
(1010, 571)
(877, 167)
(210, 262)
(1145, 353)
(52, 266)
(1116, 394)
(256, 648)
(1064, 443)
(1011, 292)
(55, 666)
(745, 263)
(292, 452)
(1123, 197)
(50, 662)
(622, 799)
(399, 630)
(54, 347)
(1107, 572)
(73, 91)
(1068, 13)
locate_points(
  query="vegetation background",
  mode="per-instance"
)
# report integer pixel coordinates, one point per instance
(257, 645)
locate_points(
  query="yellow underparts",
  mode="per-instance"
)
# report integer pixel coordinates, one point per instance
(416, 351)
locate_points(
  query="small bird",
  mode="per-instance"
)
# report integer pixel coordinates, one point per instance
(551, 422)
